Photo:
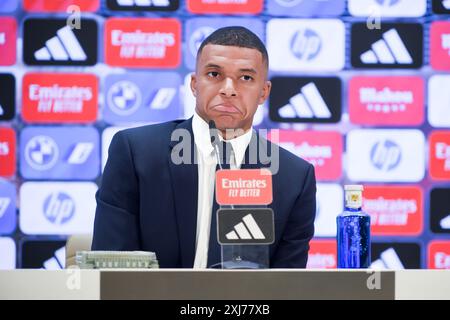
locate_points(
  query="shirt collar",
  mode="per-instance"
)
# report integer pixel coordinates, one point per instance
(202, 140)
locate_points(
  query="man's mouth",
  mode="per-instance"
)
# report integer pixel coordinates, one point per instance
(226, 108)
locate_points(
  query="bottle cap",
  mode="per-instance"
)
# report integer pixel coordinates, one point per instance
(353, 195)
(353, 187)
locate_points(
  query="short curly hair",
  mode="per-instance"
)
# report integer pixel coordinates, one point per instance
(236, 36)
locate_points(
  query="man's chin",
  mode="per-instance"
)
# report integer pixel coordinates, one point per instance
(226, 123)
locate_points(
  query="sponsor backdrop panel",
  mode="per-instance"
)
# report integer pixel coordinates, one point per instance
(361, 89)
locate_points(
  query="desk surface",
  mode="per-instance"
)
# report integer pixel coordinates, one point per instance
(187, 284)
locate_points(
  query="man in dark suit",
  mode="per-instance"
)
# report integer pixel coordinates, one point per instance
(157, 191)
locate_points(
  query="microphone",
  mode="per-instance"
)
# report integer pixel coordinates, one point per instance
(214, 136)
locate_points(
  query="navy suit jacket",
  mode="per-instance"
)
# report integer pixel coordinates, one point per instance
(147, 202)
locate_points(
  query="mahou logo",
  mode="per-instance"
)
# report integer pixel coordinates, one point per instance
(51, 97)
(322, 254)
(143, 42)
(394, 101)
(440, 45)
(225, 6)
(394, 210)
(439, 255)
(323, 149)
(7, 152)
(440, 155)
(8, 31)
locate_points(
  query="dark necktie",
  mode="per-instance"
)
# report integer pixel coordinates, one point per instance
(214, 249)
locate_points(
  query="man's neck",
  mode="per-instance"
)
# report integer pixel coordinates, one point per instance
(229, 133)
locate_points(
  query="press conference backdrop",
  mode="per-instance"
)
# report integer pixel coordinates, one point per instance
(361, 89)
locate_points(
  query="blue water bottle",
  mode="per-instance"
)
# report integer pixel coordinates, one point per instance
(353, 231)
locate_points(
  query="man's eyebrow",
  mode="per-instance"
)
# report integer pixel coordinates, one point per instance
(250, 70)
(212, 65)
(216, 66)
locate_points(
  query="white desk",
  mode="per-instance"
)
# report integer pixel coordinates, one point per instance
(186, 284)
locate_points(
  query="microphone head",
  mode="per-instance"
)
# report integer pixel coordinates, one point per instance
(213, 133)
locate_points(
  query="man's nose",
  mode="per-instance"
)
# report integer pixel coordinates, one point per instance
(228, 89)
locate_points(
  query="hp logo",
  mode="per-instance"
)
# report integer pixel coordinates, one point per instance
(387, 3)
(41, 152)
(197, 38)
(124, 98)
(385, 155)
(59, 208)
(288, 3)
(306, 44)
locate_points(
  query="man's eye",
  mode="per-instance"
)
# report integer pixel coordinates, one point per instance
(213, 74)
(247, 78)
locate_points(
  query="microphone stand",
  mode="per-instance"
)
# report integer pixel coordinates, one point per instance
(215, 143)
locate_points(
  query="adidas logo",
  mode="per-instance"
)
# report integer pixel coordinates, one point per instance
(306, 104)
(247, 229)
(142, 3)
(4, 204)
(389, 50)
(388, 260)
(57, 261)
(62, 47)
(445, 223)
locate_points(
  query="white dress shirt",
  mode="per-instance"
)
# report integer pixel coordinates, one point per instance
(207, 163)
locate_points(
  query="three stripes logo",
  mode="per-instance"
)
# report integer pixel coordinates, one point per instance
(52, 42)
(392, 46)
(306, 104)
(58, 261)
(395, 255)
(43, 254)
(62, 47)
(7, 96)
(306, 100)
(245, 226)
(441, 6)
(388, 260)
(247, 229)
(440, 210)
(388, 50)
(143, 5)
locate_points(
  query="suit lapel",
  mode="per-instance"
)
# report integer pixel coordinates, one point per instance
(185, 189)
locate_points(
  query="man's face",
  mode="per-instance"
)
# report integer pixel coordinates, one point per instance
(229, 83)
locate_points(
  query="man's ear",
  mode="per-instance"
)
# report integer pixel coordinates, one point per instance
(265, 92)
(193, 84)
